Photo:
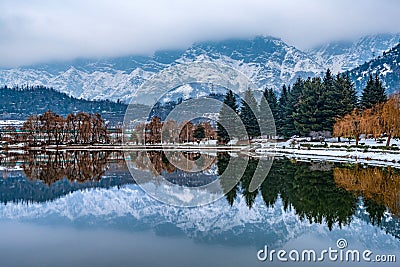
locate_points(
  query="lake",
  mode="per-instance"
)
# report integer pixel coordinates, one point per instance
(82, 208)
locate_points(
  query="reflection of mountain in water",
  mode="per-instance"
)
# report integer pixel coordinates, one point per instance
(190, 179)
(130, 209)
(293, 197)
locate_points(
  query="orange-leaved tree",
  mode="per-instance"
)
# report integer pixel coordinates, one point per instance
(372, 121)
(349, 126)
(381, 119)
(391, 117)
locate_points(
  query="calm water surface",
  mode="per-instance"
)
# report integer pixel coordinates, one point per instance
(84, 209)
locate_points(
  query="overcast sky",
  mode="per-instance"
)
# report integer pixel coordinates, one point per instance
(33, 31)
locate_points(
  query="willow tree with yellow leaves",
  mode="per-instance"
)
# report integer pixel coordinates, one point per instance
(349, 126)
(381, 119)
(371, 123)
(391, 118)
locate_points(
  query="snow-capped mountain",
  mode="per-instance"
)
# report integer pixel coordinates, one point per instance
(386, 66)
(192, 90)
(266, 60)
(89, 80)
(112, 78)
(346, 55)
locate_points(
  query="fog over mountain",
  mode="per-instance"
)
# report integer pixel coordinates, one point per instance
(43, 31)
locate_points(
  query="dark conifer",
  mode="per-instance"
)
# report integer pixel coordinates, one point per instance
(279, 121)
(227, 118)
(248, 115)
(373, 93)
(269, 112)
(309, 114)
(288, 129)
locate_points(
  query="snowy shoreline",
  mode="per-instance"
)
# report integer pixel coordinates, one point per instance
(371, 152)
(370, 158)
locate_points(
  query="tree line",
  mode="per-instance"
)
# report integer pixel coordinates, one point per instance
(239, 120)
(50, 128)
(170, 131)
(21, 101)
(310, 107)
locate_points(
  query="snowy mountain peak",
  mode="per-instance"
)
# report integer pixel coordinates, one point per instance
(266, 60)
(346, 55)
(386, 66)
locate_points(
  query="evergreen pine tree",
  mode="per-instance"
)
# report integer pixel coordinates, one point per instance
(199, 132)
(272, 100)
(348, 96)
(329, 102)
(265, 117)
(373, 93)
(367, 94)
(328, 78)
(279, 120)
(269, 111)
(309, 114)
(380, 93)
(248, 115)
(227, 118)
(288, 128)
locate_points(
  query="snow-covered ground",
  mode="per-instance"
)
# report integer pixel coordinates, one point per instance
(331, 150)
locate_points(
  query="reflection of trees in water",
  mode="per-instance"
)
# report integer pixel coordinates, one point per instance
(313, 191)
(246, 179)
(47, 176)
(190, 169)
(315, 196)
(76, 166)
(379, 186)
(9, 161)
(224, 159)
(222, 163)
(169, 161)
(154, 161)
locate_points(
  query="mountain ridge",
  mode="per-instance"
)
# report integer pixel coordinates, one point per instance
(386, 66)
(208, 223)
(267, 61)
(346, 55)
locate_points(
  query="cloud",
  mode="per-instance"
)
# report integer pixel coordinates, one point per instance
(39, 31)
